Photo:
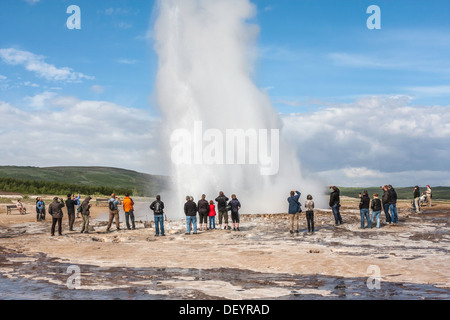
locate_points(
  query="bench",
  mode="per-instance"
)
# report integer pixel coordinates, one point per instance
(13, 207)
(101, 200)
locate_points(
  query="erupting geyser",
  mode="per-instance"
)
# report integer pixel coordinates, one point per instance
(222, 132)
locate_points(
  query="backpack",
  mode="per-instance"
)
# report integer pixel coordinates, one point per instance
(111, 205)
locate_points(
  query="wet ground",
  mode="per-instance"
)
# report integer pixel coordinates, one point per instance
(252, 264)
(47, 279)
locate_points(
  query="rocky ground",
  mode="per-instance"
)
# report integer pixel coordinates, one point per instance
(262, 261)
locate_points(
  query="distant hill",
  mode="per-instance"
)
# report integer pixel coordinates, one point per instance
(114, 178)
(438, 193)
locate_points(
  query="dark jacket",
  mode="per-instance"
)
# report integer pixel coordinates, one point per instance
(55, 209)
(157, 207)
(221, 203)
(70, 205)
(190, 208)
(335, 197)
(392, 196)
(294, 204)
(85, 206)
(376, 205)
(385, 197)
(365, 202)
(235, 205)
(416, 193)
(203, 207)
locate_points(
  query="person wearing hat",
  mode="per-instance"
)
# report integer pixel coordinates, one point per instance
(55, 210)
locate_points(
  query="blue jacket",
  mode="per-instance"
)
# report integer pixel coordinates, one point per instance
(294, 204)
(40, 204)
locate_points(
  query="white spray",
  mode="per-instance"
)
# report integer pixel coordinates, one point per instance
(206, 93)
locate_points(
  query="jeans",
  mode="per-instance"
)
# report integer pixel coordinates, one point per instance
(130, 215)
(310, 220)
(159, 224)
(212, 222)
(386, 212)
(365, 213)
(393, 208)
(337, 214)
(377, 215)
(192, 219)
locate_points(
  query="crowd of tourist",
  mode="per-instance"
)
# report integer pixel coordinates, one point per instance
(206, 210)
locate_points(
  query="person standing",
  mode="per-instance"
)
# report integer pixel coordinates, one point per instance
(335, 204)
(55, 211)
(393, 204)
(128, 204)
(70, 205)
(364, 210)
(376, 209)
(78, 203)
(40, 205)
(158, 212)
(85, 214)
(309, 207)
(190, 210)
(203, 212)
(113, 212)
(429, 195)
(212, 215)
(222, 208)
(416, 196)
(235, 207)
(294, 210)
(385, 203)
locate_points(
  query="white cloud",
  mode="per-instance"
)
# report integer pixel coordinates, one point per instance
(84, 133)
(37, 65)
(40, 100)
(358, 141)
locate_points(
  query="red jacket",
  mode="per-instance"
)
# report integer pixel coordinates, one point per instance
(212, 210)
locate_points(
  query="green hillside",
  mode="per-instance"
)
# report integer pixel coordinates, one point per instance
(140, 183)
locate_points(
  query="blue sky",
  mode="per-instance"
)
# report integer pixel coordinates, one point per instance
(313, 56)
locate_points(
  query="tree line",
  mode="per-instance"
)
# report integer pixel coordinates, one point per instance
(48, 187)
